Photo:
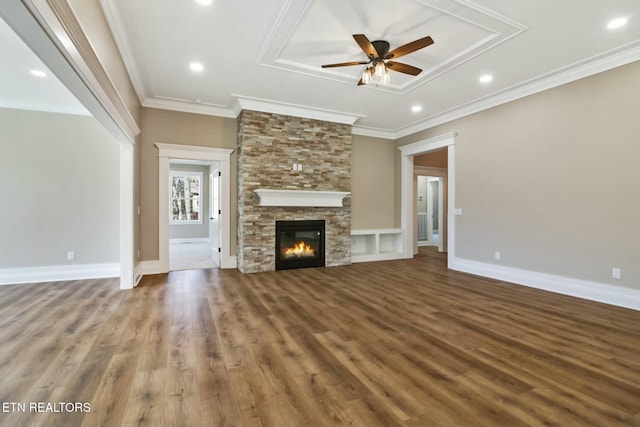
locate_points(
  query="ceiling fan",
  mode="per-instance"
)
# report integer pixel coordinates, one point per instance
(380, 59)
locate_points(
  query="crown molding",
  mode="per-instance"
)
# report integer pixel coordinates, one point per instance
(190, 107)
(373, 132)
(254, 104)
(547, 81)
(266, 106)
(114, 19)
(539, 84)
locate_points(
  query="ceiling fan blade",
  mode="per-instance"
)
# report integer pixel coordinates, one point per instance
(345, 64)
(366, 45)
(409, 47)
(403, 68)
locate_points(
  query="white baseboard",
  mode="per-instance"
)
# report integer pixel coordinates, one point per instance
(150, 267)
(137, 274)
(154, 267)
(594, 291)
(13, 276)
(229, 262)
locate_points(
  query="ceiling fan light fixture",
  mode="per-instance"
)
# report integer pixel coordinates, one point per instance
(379, 59)
(367, 76)
(386, 78)
(376, 74)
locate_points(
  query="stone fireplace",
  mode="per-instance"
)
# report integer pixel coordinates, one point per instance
(279, 152)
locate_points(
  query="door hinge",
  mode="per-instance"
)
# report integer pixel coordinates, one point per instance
(219, 211)
(219, 173)
(219, 249)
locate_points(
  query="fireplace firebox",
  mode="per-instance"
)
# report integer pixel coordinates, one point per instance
(299, 244)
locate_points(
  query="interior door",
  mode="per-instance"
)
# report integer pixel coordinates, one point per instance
(429, 211)
(214, 215)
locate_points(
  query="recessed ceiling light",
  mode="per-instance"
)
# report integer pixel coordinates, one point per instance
(196, 66)
(38, 73)
(204, 2)
(486, 78)
(416, 108)
(617, 23)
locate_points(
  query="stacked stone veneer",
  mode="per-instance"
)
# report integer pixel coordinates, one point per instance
(268, 146)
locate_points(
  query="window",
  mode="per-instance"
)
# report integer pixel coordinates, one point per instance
(185, 197)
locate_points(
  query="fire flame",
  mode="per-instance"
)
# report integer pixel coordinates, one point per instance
(300, 249)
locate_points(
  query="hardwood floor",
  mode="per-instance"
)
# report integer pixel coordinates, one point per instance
(375, 344)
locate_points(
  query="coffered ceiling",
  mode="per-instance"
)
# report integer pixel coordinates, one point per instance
(267, 54)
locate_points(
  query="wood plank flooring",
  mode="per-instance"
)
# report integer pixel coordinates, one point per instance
(397, 343)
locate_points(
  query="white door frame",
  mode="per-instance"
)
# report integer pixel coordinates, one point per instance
(441, 174)
(406, 189)
(430, 212)
(213, 182)
(189, 152)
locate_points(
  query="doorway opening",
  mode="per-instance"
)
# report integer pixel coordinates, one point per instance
(408, 182)
(217, 176)
(430, 210)
(194, 204)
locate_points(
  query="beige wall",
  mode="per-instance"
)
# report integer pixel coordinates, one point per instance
(171, 127)
(373, 183)
(552, 180)
(372, 171)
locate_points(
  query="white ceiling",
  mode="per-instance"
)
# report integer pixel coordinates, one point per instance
(22, 90)
(267, 54)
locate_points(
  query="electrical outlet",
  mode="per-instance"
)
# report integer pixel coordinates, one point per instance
(71, 256)
(615, 273)
(496, 256)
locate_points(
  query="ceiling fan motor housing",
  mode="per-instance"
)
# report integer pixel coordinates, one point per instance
(382, 47)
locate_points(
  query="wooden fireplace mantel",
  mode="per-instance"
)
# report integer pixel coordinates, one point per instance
(301, 198)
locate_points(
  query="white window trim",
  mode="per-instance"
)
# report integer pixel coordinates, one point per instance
(176, 172)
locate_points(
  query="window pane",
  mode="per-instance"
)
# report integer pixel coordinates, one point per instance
(175, 210)
(185, 198)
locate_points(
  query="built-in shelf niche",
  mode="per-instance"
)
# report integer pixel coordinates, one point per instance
(376, 244)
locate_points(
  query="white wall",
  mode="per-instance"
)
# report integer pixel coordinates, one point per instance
(60, 179)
